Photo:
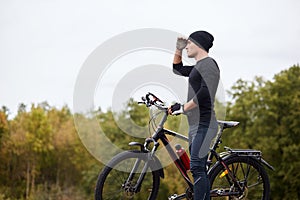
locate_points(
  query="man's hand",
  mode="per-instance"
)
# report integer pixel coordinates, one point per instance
(176, 109)
(181, 43)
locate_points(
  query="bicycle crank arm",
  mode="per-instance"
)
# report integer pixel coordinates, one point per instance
(177, 197)
(222, 192)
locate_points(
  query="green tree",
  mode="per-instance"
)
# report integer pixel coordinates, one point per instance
(41, 155)
(4, 127)
(269, 113)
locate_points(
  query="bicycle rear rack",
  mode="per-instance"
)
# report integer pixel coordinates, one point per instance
(244, 152)
(248, 153)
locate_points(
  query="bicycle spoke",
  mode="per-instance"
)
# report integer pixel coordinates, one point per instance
(121, 179)
(249, 181)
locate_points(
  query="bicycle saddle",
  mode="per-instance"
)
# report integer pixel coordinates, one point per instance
(227, 124)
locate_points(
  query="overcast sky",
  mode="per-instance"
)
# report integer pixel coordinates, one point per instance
(43, 44)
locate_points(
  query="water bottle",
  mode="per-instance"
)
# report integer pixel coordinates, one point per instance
(183, 156)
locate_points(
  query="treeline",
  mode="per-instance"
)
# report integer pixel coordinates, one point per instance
(42, 157)
(269, 112)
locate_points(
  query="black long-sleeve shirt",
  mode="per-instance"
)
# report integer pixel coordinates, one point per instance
(203, 83)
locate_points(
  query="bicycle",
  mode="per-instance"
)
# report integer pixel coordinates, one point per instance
(134, 174)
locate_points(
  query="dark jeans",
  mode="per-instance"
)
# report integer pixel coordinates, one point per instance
(200, 136)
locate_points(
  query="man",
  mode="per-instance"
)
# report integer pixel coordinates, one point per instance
(203, 83)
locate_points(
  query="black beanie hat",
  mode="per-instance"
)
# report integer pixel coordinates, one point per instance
(202, 39)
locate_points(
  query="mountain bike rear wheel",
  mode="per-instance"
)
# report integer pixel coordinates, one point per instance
(250, 175)
(115, 181)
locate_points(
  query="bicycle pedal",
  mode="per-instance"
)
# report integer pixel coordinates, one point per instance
(172, 197)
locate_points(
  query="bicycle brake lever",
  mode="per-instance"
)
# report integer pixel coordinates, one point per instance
(155, 97)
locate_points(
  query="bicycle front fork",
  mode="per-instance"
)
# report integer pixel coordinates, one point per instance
(133, 172)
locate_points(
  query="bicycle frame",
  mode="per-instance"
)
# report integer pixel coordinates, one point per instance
(160, 134)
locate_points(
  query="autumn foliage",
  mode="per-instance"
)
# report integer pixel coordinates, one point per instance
(42, 157)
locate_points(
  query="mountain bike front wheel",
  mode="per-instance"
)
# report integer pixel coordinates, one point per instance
(252, 181)
(118, 180)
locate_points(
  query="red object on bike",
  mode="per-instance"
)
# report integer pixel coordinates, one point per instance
(183, 156)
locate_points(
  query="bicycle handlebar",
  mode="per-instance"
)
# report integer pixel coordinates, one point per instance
(151, 100)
